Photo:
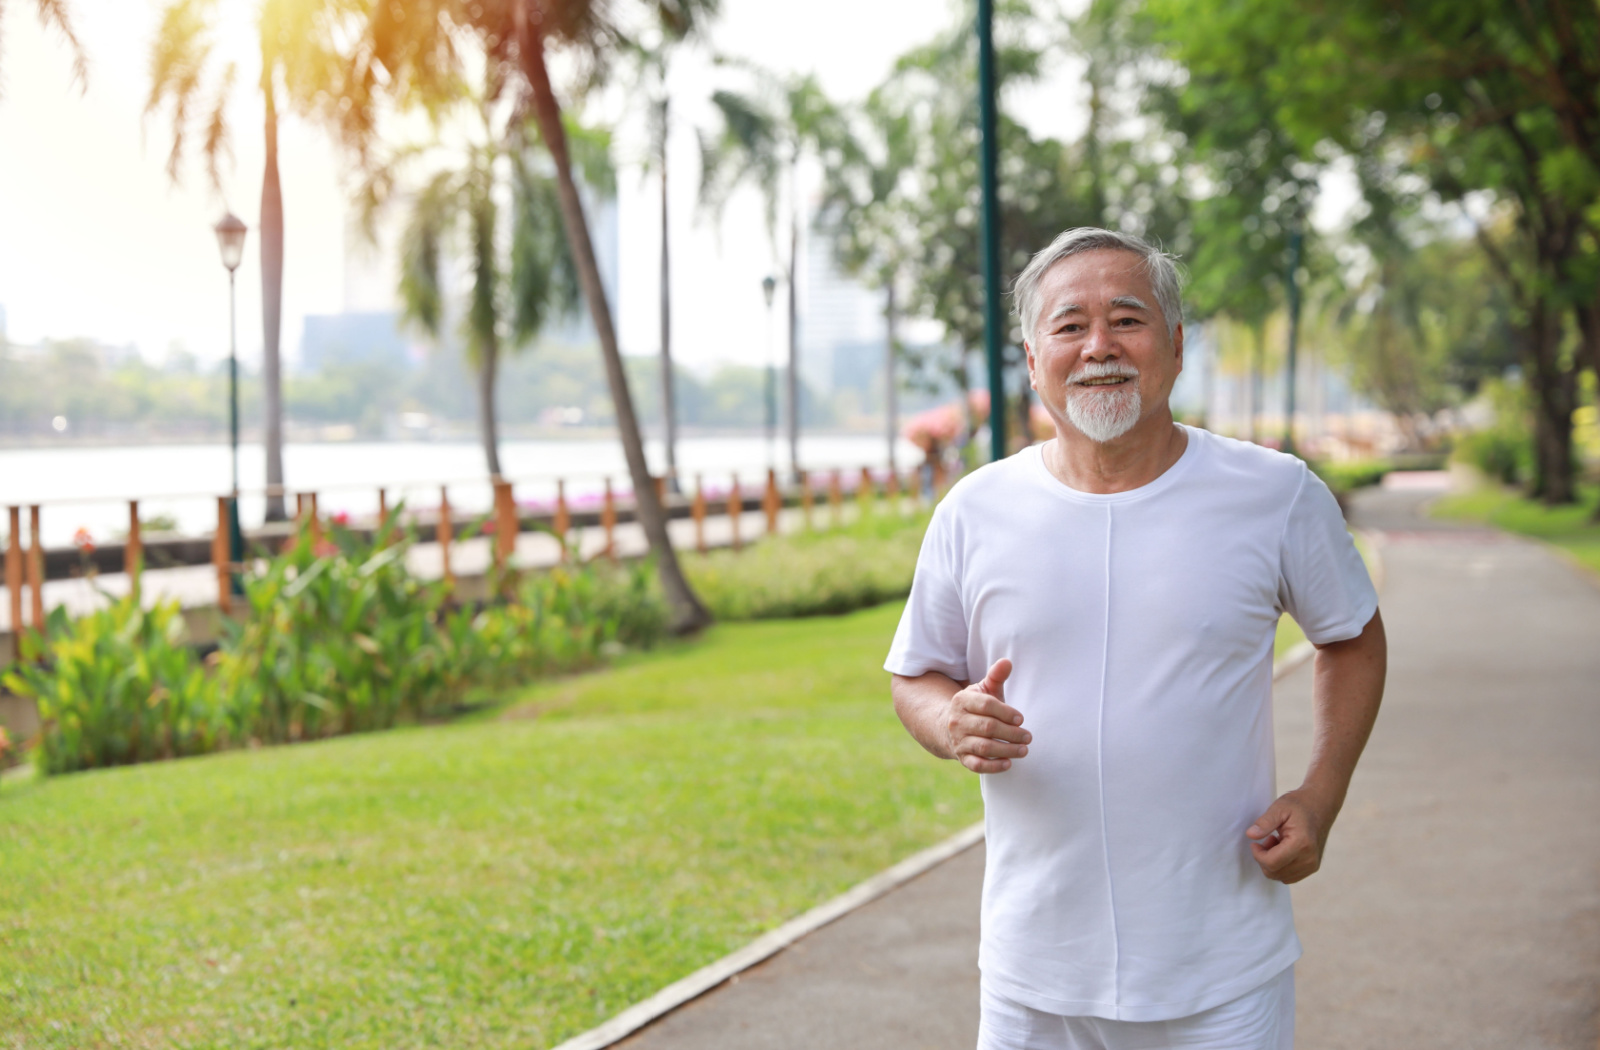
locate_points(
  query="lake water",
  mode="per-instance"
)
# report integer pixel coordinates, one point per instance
(88, 488)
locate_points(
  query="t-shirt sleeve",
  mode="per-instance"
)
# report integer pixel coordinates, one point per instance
(1323, 582)
(932, 635)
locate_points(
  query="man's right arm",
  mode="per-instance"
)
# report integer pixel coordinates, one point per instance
(971, 723)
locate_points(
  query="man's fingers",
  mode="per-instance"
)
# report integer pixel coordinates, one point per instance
(990, 726)
(994, 682)
(1272, 820)
(985, 765)
(984, 705)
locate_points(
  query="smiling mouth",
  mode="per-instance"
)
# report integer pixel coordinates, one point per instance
(1103, 381)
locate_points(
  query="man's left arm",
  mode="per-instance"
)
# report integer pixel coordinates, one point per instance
(1347, 689)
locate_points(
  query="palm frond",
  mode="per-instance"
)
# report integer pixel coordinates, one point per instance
(421, 251)
(177, 66)
(748, 149)
(544, 279)
(56, 13)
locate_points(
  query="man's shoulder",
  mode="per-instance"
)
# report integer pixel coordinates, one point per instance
(1244, 465)
(980, 487)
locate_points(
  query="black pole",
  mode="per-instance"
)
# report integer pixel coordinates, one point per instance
(1294, 334)
(988, 165)
(235, 534)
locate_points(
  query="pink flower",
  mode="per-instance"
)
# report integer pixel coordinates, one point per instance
(83, 540)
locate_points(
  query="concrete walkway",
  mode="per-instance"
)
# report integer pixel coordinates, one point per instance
(1459, 903)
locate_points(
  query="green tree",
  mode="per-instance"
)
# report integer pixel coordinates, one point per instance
(416, 45)
(515, 289)
(303, 71)
(1472, 102)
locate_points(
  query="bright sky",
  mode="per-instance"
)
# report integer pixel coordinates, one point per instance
(95, 241)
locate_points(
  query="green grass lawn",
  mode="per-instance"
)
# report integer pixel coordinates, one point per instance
(496, 883)
(1570, 528)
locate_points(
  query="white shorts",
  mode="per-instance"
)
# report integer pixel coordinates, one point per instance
(1258, 1020)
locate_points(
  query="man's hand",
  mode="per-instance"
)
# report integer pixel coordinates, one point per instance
(984, 733)
(1287, 839)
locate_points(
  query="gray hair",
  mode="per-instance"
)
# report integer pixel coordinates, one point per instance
(1161, 268)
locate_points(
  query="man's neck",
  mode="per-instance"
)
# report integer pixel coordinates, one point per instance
(1133, 460)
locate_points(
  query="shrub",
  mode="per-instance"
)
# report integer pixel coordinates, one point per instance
(338, 637)
(812, 573)
(1500, 452)
(118, 686)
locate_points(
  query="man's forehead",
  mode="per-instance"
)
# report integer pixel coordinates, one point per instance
(1096, 277)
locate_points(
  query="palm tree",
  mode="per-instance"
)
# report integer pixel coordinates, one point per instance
(677, 25)
(56, 13)
(532, 280)
(764, 134)
(303, 70)
(415, 44)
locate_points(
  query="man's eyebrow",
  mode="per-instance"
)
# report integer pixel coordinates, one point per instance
(1064, 309)
(1130, 300)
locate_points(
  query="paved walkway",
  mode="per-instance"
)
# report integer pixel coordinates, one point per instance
(1459, 903)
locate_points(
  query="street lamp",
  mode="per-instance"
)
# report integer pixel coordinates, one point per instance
(769, 285)
(230, 238)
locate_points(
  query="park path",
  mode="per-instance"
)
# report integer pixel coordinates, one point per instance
(1459, 903)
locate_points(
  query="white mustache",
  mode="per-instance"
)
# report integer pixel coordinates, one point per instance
(1103, 370)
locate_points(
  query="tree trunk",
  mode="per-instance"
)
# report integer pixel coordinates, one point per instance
(794, 335)
(272, 309)
(687, 611)
(1554, 396)
(891, 399)
(669, 408)
(488, 423)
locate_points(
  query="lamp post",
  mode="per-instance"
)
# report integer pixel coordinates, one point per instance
(769, 285)
(230, 238)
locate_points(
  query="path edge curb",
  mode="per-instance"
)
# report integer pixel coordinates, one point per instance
(769, 944)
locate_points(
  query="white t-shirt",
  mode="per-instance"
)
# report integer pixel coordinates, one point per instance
(1119, 882)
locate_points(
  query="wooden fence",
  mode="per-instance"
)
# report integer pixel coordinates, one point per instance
(25, 563)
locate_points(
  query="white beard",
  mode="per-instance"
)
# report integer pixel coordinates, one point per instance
(1104, 414)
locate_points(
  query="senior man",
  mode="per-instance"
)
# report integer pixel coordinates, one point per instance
(1113, 593)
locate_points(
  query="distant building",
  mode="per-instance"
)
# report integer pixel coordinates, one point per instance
(842, 329)
(357, 337)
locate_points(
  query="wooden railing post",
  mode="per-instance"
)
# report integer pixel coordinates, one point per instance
(891, 491)
(316, 521)
(563, 518)
(865, 491)
(805, 498)
(383, 511)
(608, 520)
(133, 550)
(14, 579)
(698, 512)
(660, 481)
(219, 558)
(444, 533)
(36, 567)
(770, 502)
(735, 510)
(505, 523)
(836, 498)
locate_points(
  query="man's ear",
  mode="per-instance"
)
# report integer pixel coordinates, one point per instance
(1032, 383)
(1177, 345)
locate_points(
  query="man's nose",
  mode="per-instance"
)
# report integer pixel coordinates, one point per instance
(1101, 345)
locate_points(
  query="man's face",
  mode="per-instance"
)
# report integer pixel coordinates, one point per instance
(1099, 355)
